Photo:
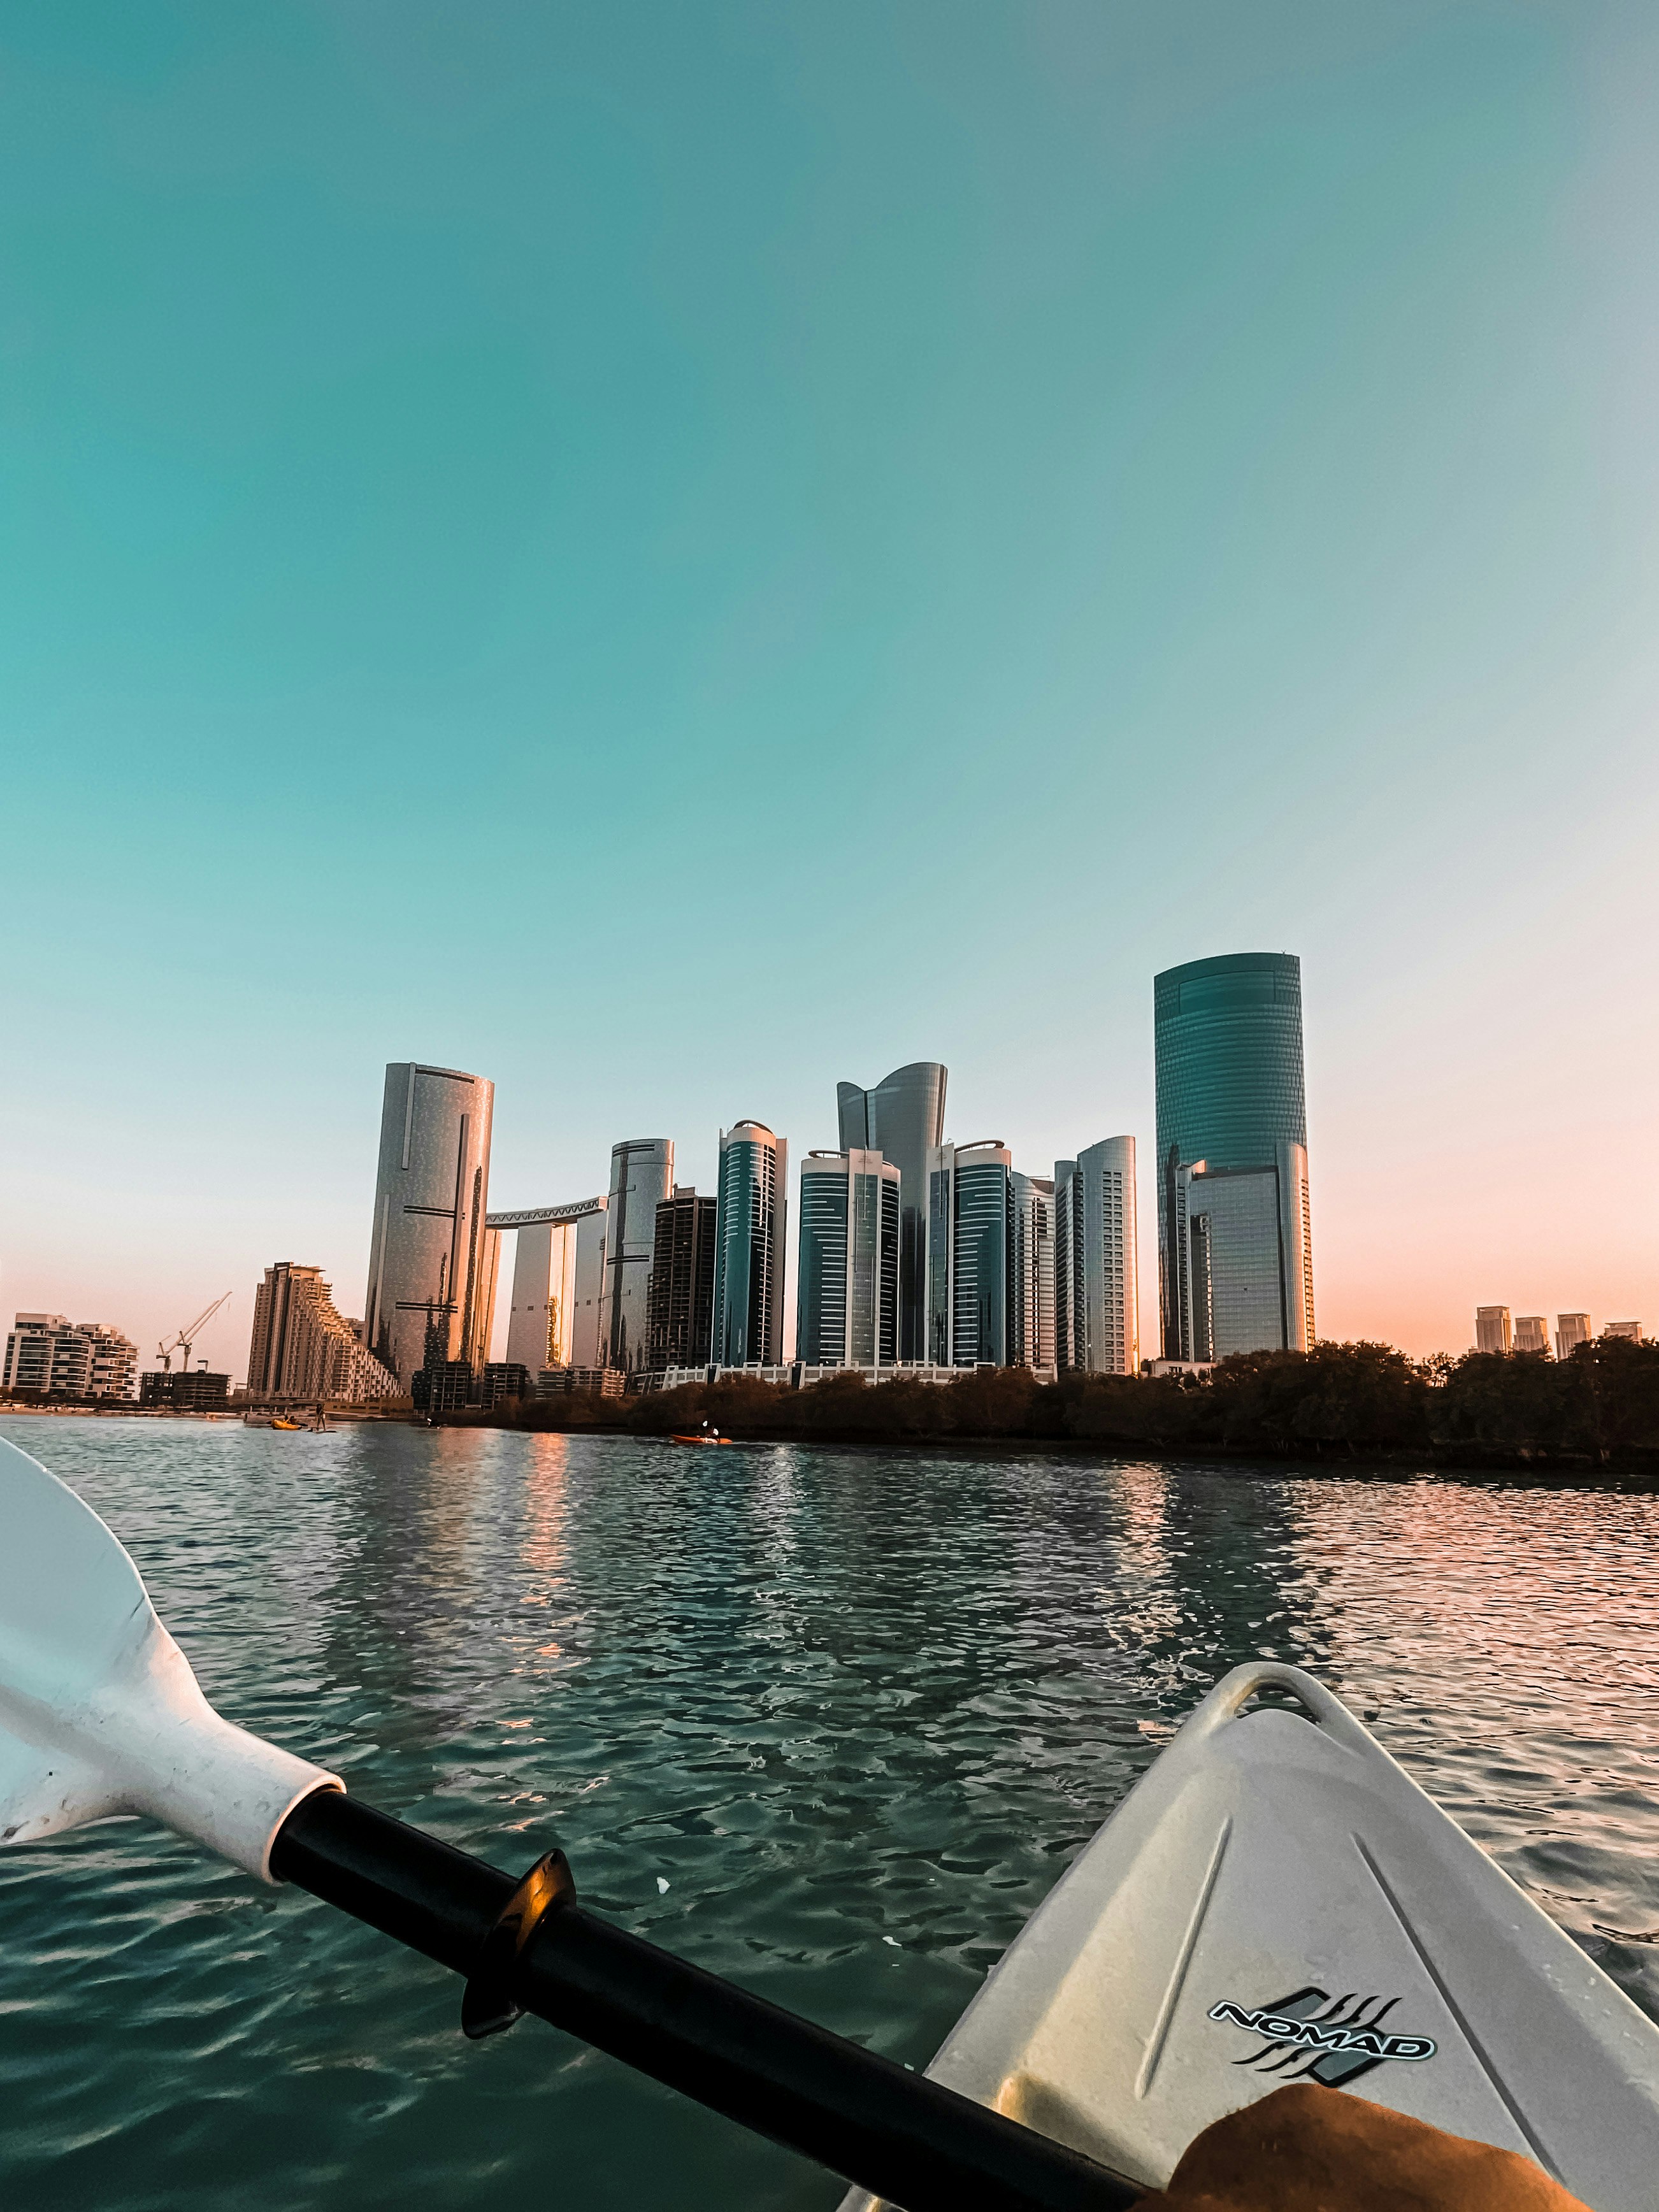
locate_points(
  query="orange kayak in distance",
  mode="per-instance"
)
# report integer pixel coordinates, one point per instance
(700, 1440)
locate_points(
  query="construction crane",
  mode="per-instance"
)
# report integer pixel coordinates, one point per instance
(183, 1339)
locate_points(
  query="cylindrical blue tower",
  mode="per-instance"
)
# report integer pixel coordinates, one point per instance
(1227, 1036)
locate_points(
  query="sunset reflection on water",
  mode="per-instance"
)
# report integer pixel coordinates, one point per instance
(833, 1721)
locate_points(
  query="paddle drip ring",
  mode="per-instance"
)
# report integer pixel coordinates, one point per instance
(489, 2005)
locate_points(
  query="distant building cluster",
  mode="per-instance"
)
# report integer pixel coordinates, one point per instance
(1494, 1331)
(49, 1355)
(914, 1252)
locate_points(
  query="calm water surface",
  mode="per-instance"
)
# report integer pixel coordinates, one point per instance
(832, 1723)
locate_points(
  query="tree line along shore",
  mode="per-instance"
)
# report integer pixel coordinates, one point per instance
(1598, 1408)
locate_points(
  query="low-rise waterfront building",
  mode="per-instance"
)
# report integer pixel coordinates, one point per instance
(502, 1379)
(1493, 1330)
(564, 1381)
(302, 1347)
(189, 1390)
(49, 1355)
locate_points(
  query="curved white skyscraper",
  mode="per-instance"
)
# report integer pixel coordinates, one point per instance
(1097, 1293)
(428, 1262)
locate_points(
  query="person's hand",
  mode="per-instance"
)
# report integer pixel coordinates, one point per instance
(1310, 2149)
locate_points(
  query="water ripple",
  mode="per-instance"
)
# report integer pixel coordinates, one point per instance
(830, 1721)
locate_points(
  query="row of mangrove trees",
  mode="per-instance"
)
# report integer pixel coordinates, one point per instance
(1599, 1407)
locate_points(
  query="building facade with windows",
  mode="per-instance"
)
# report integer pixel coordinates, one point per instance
(902, 1118)
(1493, 1332)
(1097, 1288)
(970, 1194)
(750, 1224)
(1532, 1333)
(1031, 1273)
(60, 1358)
(642, 1177)
(682, 1304)
(302, 1347)
(558, 1284)
(847, 1284)
(430, 1262)
(1570, 1329)
(1232, 1160)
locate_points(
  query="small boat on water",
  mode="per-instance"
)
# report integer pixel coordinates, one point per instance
(704, 1435)
(1276, 1900)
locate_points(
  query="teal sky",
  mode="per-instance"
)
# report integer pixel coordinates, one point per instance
(672, 554)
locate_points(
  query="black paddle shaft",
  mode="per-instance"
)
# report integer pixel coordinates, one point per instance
(903, 2137)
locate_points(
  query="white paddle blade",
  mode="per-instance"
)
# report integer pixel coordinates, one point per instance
(99, 1712)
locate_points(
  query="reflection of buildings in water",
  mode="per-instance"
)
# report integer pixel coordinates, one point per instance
(1222, 1593)
(1463, 1592)
(544, 1548)
(775, 1505)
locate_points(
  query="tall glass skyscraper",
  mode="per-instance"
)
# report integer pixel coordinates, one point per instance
(429, 1259)
(1097, 1303)
(847, 1313)
(748, 1247)
(902, 1118)
(970, 1213)
(1234, 1247)
(642, 1177)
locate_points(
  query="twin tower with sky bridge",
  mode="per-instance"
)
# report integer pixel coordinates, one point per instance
(914, 1252)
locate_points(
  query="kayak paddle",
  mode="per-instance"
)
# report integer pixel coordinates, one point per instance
(101, 1715)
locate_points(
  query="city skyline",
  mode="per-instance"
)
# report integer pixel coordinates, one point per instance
(1198, 477)
(547, 1270)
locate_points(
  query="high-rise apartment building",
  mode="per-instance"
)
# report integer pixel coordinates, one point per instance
(1532, 1333)
(682, 1305)
(558, 1284)
(1493, 1332)
(1631, 1330)
(847, 1291)
(970, 1194)
(1031, 1272)
(748, 1247)
(428, 1261)
(902, 1118)
(1096, 1289)
(303, 1347)
(1570, 1329)
(1234, 1243)
(61, 1358)
(642, 1177)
